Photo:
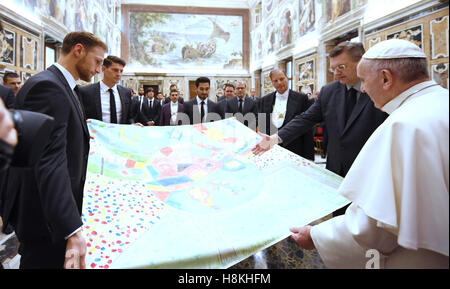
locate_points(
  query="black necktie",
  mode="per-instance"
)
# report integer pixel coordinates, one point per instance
(350, 101)
(77, 97)
(112, 106)
(240, 105)
(202, 111)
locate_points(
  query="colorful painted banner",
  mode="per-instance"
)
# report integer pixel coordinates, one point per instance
(194, 196)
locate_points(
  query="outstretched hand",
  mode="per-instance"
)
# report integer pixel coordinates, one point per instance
(302, 237)
(266, 143)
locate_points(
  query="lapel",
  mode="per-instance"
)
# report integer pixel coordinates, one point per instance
(180, 110)
(192, 110)
(97, 99)
(246, 103)
(291, 107)
(233, 104)
(268, 106)
(209, 105)
(340, 107)
(122, 103)
(72, 99)
(359, 106)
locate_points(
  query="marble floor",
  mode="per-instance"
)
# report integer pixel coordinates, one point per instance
(283, 255)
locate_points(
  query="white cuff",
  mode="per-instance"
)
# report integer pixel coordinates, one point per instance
(73, 233)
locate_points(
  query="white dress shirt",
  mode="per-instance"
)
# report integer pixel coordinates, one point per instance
(280, 107)
(104, 98)
(173, 112)
(68, 76)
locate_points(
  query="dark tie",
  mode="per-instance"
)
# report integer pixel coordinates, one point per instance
(202, 111)
(240, 105)
(77, 97)
(350, 101)
(112, 106)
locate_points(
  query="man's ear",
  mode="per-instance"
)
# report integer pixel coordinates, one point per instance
(78, 50)
(387, 78)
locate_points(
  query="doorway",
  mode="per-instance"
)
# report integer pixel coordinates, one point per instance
(155, 88)
(192, 89)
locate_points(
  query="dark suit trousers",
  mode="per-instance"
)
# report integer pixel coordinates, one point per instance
(42, 255)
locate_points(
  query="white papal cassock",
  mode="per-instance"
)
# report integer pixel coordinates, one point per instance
(398, 186)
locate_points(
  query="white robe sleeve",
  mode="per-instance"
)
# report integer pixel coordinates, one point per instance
(343, 241)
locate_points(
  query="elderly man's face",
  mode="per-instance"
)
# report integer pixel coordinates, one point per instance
(344, 69)
(371, 83)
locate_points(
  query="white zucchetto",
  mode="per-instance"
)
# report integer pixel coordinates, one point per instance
(394, 48)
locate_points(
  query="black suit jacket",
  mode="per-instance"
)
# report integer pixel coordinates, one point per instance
(147, 113)
(303, 145)
(166, 114)
(195, 113)
(44, 203)
(91, 100)
(220, 98)
(7, 95)
(249, 107)
(344, 140)
(257, 100)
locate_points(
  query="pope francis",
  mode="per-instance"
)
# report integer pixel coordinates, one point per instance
(398, 184)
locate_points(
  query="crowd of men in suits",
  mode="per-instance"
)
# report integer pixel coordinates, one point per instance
(108, 101)
(49, 233)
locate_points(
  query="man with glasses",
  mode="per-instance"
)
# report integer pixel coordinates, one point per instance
(349, 114)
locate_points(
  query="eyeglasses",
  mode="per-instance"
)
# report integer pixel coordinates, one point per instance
(340, 67)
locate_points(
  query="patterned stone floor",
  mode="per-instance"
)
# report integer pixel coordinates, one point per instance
(283, 255)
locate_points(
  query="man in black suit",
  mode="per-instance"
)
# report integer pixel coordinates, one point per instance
(7, 95)
(48, 197)
(254, 97)
(279, 108)
(12, 79)
(162, 100)
(149, 109)
(172, 113)
(201, 108)
(106, 100)
(348, 113)
(222, 102)
(229, 92)
(244, 105)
